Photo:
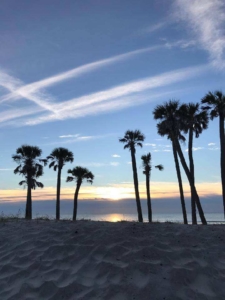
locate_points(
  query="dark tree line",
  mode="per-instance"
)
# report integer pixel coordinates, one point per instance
(178, 122)
(31, 168)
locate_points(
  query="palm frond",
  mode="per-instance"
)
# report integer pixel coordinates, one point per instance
(160, 167)
(69, 178)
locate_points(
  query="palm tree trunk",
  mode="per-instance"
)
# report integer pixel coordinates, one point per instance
(140, 217)
(222, 158)
(148, 198)
(191, 182)
(190, 154)
(75, 201)
(180, 184)
(58, 194)
(29, 200)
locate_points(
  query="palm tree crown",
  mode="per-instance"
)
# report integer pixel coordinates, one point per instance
(79, 174)
(59, 157)
(29, 162)
(170, 119)
(215, 103)
(193, 118)
(132, 138)
(146, 164)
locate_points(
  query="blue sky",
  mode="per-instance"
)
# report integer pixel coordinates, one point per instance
(78, 74)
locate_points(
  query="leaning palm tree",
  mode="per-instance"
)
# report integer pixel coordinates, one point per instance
(78, 174)
(31, 167)
(147, 166)
(132, 139)
(170, 126)
(193, 122)
(215, 104)
(59, 156)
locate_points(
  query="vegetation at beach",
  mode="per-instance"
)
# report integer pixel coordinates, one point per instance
(78, 174)
(59, 157)
(178, 122)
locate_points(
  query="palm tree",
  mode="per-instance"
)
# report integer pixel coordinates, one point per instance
(79, 174)
(59, 156)
(31, 167)
(170, 126)
(132, 139)
(194, 121)
(164, 130)
(147, 166)
(216, 106)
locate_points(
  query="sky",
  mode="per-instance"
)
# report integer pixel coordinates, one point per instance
(78, 74)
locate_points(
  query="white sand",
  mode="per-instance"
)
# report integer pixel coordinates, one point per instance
(113, 261)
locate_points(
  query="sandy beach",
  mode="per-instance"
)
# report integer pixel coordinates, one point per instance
(113, 261)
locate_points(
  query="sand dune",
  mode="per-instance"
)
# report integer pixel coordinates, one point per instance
(113, 261)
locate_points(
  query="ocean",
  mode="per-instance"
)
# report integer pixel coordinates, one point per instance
(110, 211)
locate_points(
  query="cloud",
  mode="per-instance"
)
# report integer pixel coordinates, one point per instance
(9, 82)
(214, 148)
(183, 44)
(78, 138)
(148, 144)
(123, 96)
(6, 169)
(33, 92)
(68, 136)
(195, 149)
(114, 164)
(206, 18)
(115, 155)
(211, 144)
(153, 28)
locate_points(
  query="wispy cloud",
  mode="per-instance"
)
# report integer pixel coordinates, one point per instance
(148, 144)
(115, 155)
(211, 144)
(153, 28)
(195, 149)
(183, 44)
(206, 18)
(114, 164)
(34, 91)
(70, 139)
(69, 136)
(6, 169)
(214, 148)
(123, 96)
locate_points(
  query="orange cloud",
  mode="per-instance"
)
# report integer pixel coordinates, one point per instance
(114, 191)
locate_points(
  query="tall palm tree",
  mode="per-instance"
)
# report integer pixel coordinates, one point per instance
(216, 106)
(193, 122)
(78, 174)
(170, 126)
(132, 139)
(147, 166)
(164, 130)
(59, 157)
(31, 167)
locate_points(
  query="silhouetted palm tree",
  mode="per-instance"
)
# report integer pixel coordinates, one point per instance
(170, 126)
(59, 156)
(147, 166)
(31, 167)
(193, 121)
(132, 139)
(216, 106)
(79, 174)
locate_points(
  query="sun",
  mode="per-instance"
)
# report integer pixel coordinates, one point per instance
(112, 193)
